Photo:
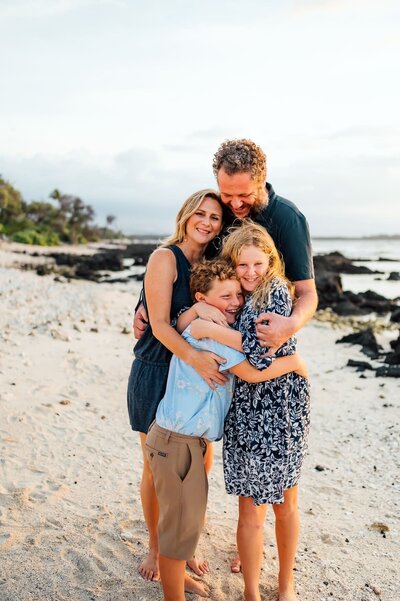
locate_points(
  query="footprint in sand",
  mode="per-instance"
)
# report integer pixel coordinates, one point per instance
(83, 568)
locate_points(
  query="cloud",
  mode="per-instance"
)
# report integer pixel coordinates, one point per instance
(24, 9)
(310, 7)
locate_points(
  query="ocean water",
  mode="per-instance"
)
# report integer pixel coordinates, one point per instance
(381, 254)
(359, 248)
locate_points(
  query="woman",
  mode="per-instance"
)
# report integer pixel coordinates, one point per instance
(166, 293)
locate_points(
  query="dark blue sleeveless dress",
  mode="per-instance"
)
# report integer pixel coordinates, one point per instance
(149, 372)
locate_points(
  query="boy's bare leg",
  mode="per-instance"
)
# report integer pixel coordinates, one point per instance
(175, 582)
(287, 535)
(250, 545)
(200, 566)
(149, 568)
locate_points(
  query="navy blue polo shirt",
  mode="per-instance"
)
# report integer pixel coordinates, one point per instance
(289, 230)
(287, 227)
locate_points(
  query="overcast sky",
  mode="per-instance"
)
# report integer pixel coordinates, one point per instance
(123, 103)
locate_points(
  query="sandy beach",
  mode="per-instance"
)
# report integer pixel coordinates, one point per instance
(71, 526)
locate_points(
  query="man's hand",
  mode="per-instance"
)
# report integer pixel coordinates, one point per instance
(273, 330)
(207, 366)
(140, 321)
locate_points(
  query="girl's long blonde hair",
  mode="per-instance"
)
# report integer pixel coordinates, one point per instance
(188, 209)
(252, 234)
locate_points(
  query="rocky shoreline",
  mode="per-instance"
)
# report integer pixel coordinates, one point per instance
(336, 305)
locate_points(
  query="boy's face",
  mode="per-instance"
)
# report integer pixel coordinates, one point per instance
(226, 296)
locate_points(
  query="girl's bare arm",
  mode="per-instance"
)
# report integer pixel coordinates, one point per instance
(225, 335)
(278, 367)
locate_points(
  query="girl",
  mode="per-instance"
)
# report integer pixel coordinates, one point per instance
(266, 429)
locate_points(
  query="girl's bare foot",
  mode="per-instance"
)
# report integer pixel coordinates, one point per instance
(198, 566)
(287, 595)
(236, 565)
(149, 568)
(195, 587)
(252, 596)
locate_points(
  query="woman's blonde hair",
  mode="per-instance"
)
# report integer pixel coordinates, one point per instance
(188, 209)
(252, 234)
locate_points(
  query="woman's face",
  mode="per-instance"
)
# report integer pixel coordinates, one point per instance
(206, 222)
(251, 267)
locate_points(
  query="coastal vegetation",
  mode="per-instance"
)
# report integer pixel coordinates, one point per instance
(65, 218)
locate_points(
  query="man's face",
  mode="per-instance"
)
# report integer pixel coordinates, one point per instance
(226, 296)
(240, 193)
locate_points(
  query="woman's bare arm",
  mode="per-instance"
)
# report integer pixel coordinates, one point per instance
(159, 280)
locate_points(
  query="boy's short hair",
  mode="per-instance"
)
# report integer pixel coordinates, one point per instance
(204, 273)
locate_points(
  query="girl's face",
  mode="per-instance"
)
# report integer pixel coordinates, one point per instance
(206, 222)
(251, 267)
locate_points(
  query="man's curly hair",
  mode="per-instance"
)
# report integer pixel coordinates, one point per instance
(238, 156)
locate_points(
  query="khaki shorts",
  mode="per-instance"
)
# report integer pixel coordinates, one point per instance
(177, 463)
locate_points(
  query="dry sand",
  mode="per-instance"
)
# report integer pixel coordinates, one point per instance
(71, 526)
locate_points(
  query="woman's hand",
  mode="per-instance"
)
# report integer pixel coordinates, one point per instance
(207, 366)
(210, 313)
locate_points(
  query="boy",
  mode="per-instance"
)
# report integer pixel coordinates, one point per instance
(190, 415)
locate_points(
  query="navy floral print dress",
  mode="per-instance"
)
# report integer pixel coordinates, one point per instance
(266, 429)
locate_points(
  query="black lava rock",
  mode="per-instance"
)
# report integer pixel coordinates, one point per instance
(366, 339)
(388, 371)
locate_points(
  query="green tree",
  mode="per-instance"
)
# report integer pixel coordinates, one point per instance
(12, 207)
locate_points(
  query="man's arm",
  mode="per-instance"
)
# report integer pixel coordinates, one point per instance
(280, 328)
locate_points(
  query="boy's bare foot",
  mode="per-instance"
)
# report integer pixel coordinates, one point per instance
(198, 566)
(236, 565)
(195, 587)
(149, 568)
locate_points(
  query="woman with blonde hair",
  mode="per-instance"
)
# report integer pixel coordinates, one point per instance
(166, 293)
(266, 429)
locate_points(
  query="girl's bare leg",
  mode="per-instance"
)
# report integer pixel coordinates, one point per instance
(174, 580)
(149, 567)
(250, 545)
(287, 535)
(200, 566)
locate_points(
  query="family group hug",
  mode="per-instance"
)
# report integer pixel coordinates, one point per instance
(216, 358)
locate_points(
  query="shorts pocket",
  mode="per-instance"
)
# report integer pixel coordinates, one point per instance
(184, 466)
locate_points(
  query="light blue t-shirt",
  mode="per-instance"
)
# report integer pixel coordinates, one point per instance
(189, 405)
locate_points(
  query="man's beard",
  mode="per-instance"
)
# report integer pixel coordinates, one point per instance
(261, 201)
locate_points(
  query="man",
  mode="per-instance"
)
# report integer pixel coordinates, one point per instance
(241, 171)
